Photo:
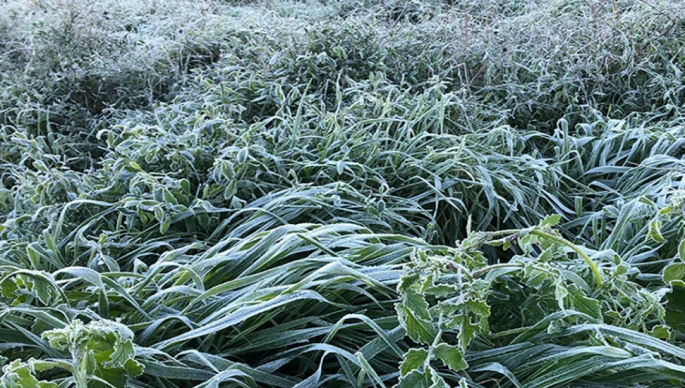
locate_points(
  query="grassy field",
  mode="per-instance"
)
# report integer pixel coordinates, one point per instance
(342, 193)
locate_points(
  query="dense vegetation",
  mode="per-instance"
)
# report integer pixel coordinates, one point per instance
(423, 193)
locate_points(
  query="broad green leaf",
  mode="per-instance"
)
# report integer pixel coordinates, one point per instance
(550, 221)
(415, 379)
(165, 224)
(578, 301)
(8, 288)
(243, 155)
(20, 375)
(101, 348)
(39, 283)
(414, 316)
(451, 357)
(560, 293)
(436, 380)
(42, 287)
(675, 271)
(412, 360)
(33, 254)
(467, 330)
(675, 306)
(655, 231)
(661, 331)
(419, 329)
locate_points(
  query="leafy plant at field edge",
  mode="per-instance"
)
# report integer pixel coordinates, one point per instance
(447, 302)
(102, 355)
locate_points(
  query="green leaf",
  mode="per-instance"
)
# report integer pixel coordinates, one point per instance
(468, 332)
(661, 331)
(417, 303)
(550, 221)
(101, 348)
(242, 155)
(675, 271)
(133, 367)
(164, 224)
(413, 359)
(580, 302)
(18, 374)
(407, 280)
(227, 169)
(168, 197)
(560, 293)
(451, 357)
(435, 379)
(675, 306)
(39, 283)
(534, 277)
(467, 329)
(428, 379)
(419, 329)
(43, 289)
(655, 231)
(414, 317)
(8, 288)
(33, 254)
(415, 379)
(159, 213)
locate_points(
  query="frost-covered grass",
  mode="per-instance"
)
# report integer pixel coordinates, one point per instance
(342, 193)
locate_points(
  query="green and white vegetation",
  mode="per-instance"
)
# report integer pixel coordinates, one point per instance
(342, 193)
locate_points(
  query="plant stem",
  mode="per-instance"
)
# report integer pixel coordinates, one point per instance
(504, 265)
(588, 260)
(510, 232)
